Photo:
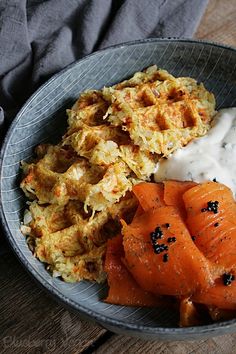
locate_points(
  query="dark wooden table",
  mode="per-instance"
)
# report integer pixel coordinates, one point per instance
(31, 322)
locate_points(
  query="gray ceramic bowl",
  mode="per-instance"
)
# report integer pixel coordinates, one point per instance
(43, 119)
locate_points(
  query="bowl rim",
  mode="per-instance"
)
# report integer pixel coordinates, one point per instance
(90, 314)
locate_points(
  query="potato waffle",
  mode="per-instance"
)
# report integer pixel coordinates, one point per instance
(80, 187)
(70, 241)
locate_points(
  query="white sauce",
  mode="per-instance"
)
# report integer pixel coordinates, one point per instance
(206, 158)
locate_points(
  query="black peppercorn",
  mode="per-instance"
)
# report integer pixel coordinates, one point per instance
(228, 278)
(171, 239)
(211, 206)
(165, 257)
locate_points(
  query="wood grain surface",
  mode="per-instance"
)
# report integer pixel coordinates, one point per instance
(219, 22)
(123, 345)
(32, 322)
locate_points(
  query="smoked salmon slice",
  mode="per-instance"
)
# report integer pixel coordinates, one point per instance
(123, 289)
(211, 219)
(189, 316)
(173, 194)
(172, 265)
(219, 296)
(149, 195)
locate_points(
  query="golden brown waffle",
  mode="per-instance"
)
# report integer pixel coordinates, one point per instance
(115, 137)
(161, 113)
(70, 241)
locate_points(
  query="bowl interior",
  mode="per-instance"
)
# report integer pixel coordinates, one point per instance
(43, 119)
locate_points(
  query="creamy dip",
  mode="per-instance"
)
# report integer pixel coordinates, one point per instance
(210, 157)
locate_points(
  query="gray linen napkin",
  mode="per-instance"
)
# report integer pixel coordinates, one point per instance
(39, 38)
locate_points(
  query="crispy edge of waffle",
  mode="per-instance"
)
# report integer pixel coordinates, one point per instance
(72, 243)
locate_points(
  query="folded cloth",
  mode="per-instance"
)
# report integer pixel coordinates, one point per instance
(39, 38)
